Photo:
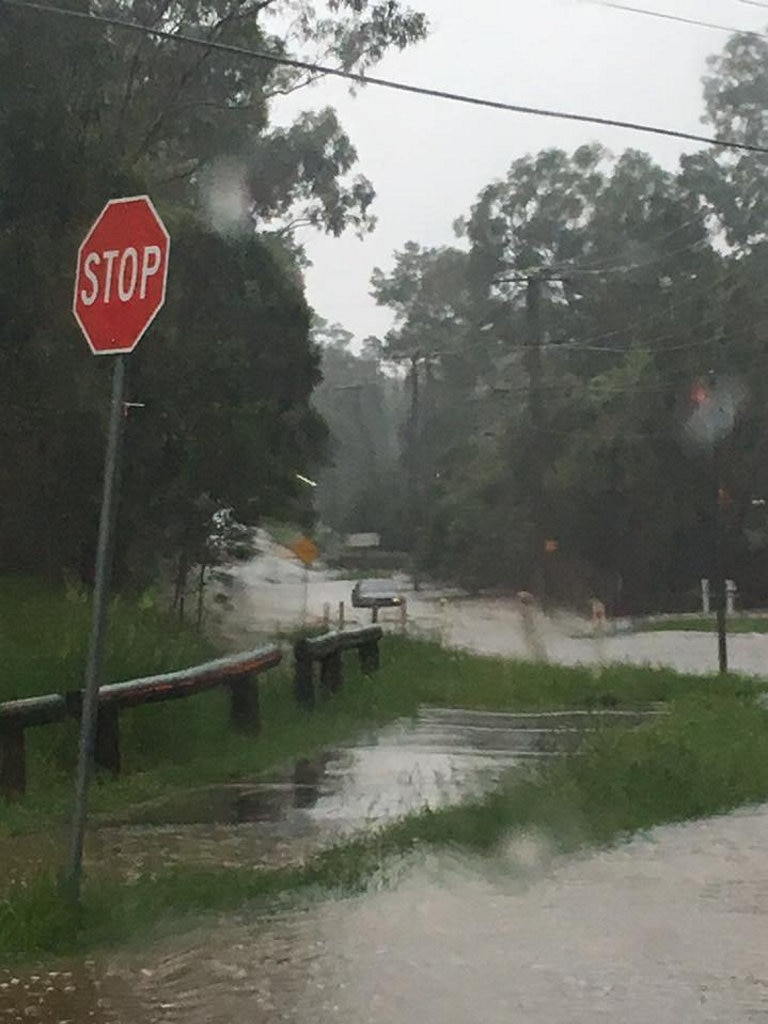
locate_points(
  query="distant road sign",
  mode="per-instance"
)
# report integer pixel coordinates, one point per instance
(363, 540)
(305, 550)
(122, 269)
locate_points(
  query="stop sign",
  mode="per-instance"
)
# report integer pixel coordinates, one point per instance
(122, 268)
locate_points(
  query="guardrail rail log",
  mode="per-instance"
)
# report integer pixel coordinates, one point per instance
(327, 650)
(237, 672)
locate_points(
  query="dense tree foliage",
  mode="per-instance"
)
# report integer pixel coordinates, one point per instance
(225, 377)
(591, 363)
(360, 490)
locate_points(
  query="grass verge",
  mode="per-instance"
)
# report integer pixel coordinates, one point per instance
(44, 636)
(706, 624)
(174, 746)
(708, 755)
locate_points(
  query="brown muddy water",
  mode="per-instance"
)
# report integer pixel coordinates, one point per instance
(440, 758)
(671, 928)
(269, 593)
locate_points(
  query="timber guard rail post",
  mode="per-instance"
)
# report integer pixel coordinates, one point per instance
(236, 672)
(15, 716)
(327, 649)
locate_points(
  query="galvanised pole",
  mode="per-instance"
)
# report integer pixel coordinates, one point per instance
(104, 553)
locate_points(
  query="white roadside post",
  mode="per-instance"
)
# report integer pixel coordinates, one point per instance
(705, 604)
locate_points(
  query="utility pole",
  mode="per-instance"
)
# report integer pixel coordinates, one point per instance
(534, 370)
(413, 461)
(718, 548)
(718, 560)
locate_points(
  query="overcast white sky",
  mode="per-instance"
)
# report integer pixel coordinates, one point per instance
(428, 159)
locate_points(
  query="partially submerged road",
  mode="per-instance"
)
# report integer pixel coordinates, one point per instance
(270, 593)
(670, 927)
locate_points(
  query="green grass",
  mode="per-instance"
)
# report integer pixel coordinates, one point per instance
(706, 624)
(44, 636)
(180, 744)
(421, 672)
(708, 755)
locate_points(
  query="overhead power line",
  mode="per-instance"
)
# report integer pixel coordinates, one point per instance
(576, 347)
(583, 388)
(681, 19)
(590, 343)
(660, 314)
(594, 265)
(625, 268)
(385, 83)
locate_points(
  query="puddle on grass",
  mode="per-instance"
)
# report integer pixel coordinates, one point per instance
(446, 755)
(441, 757)
(280, 968)
(671, 927)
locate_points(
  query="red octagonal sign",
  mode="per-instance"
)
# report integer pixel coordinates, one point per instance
(122, 268)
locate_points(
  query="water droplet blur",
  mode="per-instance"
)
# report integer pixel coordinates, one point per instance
(225, 197)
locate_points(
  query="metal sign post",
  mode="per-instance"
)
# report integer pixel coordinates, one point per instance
(715, 407)
(104, 552)
(120, 285)
(307, 552)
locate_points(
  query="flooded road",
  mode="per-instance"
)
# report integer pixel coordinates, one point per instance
(269, 596)
(670, 928)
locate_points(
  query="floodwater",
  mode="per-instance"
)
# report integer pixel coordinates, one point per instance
(272, 593)
(441, 757)
(670, 928)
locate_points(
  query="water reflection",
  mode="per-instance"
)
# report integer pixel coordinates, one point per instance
(442, 756)
(438, 947)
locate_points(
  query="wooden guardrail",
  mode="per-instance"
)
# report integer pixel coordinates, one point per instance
(326, 650)
(237, 672)
(15, 716)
